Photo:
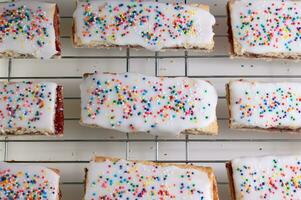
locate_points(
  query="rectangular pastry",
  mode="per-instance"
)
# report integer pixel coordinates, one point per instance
(266, 29)
(268, 177)
(31, 108)
(19, 181)
(109, 178)
(265, 106)
(133, 102)
(29, 29)
(151, 25)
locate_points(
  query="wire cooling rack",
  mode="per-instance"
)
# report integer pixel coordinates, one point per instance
(72, 152)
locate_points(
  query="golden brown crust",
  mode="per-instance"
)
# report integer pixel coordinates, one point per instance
(56, 24)
(211, 129)
(230, 33)
(59, 197)
(228, 104)
(231, 181)
(77, 43)
(207, 170)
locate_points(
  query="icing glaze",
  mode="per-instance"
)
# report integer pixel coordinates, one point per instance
(130, 180)
(27, 107)
(267, 26)
(265, 105)
(27, 28)
(270, 177)
(28, 182)
(148, 24)
(132, 102)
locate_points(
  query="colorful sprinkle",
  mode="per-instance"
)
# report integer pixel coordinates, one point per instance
(267, 178)
(265, 105)
(267, 26)
(130, 180)
(24, 182)
(27, 106)
(133, 102)
(151, 25)
(27, 28)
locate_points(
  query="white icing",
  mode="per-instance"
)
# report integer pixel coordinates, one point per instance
(28, 182)
(267, 26)
(269, 177)
(27, 106)
(157, 105)
(128, 180)
(265, 105)
(19, 42)
(95, 24)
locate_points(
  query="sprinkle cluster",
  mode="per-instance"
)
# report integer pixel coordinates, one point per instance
(128, 97)
(149, 20)
(25, 185)
(271, 106)
(284, 179)
(19, 20)
(129, 180)
(272, 24)
(23, 103)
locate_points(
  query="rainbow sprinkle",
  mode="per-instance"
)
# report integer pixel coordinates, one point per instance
(148, 24)
(16, 20)
(132, 102)
(130, 180)
(265, 105)
(30, 183)
(267, 26)
(27, 106)
(267, 178)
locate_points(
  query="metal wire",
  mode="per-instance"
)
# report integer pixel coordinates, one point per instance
(128, 140)
(9, 69)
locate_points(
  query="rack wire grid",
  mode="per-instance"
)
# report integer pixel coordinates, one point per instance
(71, 153)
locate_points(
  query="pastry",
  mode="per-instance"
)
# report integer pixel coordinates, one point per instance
(268, 178)
(131, 102)
(108, 178)
(265, 29)
(28, 182)
(151, 25)
(31, 108)
(29, 29)
(264, 106)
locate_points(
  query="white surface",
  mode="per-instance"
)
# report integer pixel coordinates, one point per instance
(212, 151)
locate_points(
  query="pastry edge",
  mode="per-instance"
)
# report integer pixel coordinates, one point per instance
(59, 194)
(211, 129)
(242, 127)
(77, 43)
(208, 170)
(231, 181)
(236, 50)
(56, 26)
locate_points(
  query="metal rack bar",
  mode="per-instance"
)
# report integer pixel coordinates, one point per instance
(293, 140)
(9, 69)
(204, 77)
(87, 161)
